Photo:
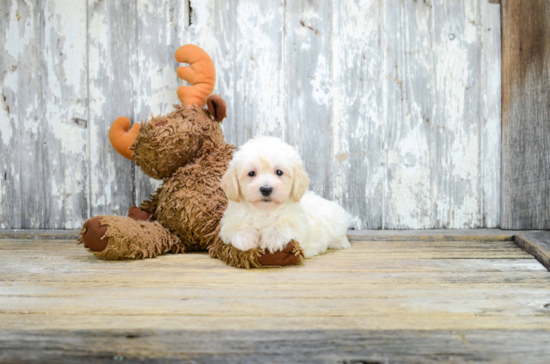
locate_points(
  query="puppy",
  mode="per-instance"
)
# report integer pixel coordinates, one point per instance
(268, 205)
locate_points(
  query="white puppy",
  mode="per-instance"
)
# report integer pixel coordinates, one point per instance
(268, 204)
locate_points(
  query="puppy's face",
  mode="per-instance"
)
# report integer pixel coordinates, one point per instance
(265, 179)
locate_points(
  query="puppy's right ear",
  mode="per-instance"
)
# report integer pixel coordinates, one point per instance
(301, 181)
(230, 184)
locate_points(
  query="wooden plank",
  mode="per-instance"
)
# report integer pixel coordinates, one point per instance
(525, 114)
(458, 125)
(309, 88)
(490, 85)
(160, 32)
(112, 64)
(39, 234)
(501, 304)
(400, 302)
(22, 197)
(259, 70)
(303, 346)
(397, 321)
(64, 98)
(536, 243)
(316, 84)
(357, 235)
(432, 235)
(408, 107)
(357, 163)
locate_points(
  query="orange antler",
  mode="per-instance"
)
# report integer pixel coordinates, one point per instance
(201, 73)
(122, 136)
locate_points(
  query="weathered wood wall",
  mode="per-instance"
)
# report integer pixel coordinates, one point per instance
(526, 114)
(394, 104)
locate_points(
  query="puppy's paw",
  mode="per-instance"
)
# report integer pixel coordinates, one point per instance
(273, 241)
(341, 243)
(246, 240)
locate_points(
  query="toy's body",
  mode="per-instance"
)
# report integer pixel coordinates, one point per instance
(190, 202)
(186, 149)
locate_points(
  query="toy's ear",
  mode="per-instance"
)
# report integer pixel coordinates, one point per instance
(301, 181)
(216, 107)
(230, 183)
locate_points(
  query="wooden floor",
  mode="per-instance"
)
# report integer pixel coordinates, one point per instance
(421, 300)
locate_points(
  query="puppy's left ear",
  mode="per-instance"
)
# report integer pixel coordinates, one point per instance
(216, 107)
(230, 184)
(301, 181)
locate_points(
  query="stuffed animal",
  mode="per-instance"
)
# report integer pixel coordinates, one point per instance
(186, 149)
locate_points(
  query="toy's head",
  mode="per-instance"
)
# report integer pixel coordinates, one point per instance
(166, 143)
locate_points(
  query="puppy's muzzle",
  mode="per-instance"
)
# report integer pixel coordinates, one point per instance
(266, 191)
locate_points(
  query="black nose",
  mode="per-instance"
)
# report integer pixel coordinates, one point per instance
(266, 191)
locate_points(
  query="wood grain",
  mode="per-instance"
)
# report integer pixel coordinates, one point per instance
(112, 65)
(536, 243)
(380, 301)
(304, 346)
(309, 102)
(408, 103)
(258, 70)
(357, 162)
(525, 114)
(64, 107)
(394, 119)
(490, 106)
(22, 197)
(401, 284)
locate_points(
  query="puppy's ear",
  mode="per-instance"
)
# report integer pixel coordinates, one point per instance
(230, 184)
(301, 181)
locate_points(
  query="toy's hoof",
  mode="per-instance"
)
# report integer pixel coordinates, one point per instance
(284, 257)
(94, 237)
(139, 215)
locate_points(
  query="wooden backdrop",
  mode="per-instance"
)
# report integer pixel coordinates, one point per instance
(393, 104)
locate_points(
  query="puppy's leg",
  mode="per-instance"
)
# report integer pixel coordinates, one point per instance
(246, 240)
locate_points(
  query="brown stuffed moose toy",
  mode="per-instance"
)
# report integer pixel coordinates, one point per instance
(187, 150)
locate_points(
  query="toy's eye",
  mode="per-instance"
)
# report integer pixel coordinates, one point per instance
(279, 172)
(251, 173)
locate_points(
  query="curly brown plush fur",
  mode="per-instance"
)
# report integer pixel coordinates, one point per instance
(190, 203)
(131, 239)
(254, 258)
(186, 149)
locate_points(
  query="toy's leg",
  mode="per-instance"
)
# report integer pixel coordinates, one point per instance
(116, 237)
(292, 254)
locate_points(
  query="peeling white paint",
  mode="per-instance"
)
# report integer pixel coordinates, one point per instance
(321, 82)
(408, 124)
(20, 32)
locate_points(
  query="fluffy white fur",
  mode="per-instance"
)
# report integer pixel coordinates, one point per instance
(270, 222)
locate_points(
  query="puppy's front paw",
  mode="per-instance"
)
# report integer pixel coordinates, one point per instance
(246, 240)
(273, 241)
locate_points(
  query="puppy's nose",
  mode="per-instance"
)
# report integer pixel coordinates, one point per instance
(266, 191)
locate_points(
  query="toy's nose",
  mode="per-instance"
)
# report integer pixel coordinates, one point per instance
(266, 191)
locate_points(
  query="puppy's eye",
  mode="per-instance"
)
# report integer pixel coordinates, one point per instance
(251, 173)
(279, 172)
